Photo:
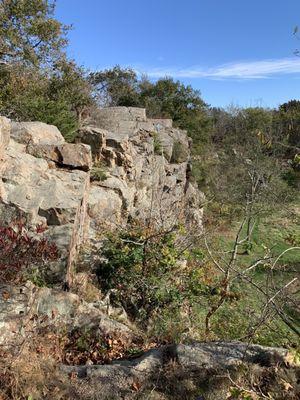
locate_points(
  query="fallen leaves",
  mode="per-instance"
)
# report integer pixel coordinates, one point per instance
(92, 347)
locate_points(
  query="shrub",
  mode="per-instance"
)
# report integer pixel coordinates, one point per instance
(143, 267)
(179, 153)
(98, 173)
(20, 251)
(157, 147)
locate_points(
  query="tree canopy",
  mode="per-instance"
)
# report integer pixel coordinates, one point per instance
(29, 32)
(165, 98)
(37, 80)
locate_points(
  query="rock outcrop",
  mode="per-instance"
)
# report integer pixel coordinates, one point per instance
(147, 168)
(198, 371)
(141, 171)
(25, 309)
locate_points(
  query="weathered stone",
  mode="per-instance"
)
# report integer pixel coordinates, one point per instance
(155, 124)
(77, 156)
(36, 133)
(120, 119)
(104, 206)
(184, 371)
(94, 137)
(18, 305)
(31, 186)
(118, 114)
(5, 127)
(73, 156)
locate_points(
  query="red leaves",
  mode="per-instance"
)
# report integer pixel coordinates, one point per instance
(20, 249)
(41, 228)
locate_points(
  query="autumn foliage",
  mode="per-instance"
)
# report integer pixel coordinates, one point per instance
(21, 249)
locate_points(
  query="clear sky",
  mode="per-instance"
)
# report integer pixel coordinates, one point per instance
(235, 51)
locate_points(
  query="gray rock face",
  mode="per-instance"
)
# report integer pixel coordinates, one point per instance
(147, 168)
(40, 190)
(141, 171)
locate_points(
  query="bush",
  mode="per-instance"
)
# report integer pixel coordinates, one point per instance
(20, 252)
(179, 153)
(144, 268)
(157, 147)
(98, 173)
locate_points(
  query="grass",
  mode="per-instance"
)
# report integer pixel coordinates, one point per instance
(98, 172)
(157, 146)
(277, 232)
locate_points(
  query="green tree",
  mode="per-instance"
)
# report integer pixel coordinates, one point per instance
(168, 98)
(287, 125)
(29, 32)
(116, 86)
(165, 98)
(37, 80)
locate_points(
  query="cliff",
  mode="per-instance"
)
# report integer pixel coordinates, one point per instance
(124, 167)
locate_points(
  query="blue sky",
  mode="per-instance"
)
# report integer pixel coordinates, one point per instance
(235, 51)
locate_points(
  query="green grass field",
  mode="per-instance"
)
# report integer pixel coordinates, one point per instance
(235, 319)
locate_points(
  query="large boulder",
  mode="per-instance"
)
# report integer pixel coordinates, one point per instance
(199, 371)
(35, 133)
(68, 155)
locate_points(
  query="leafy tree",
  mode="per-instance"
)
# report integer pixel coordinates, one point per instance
(29, 32)
(287, 125)
(116, 87)
(37, 81)
(165, 98)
